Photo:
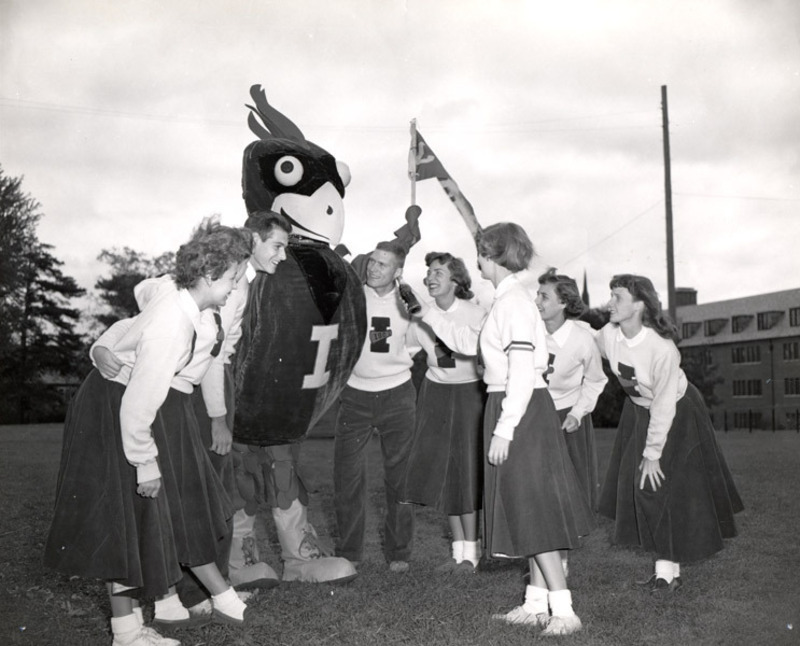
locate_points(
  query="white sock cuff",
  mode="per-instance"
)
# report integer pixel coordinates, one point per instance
(471, 550)
(665, 570)
(560, 603)
(171, 608)
(126, 624)
(457, 550)
(226, 596)
(170, 602)
(535, 593)
(676, 570)
(535, 600)
(137, 610)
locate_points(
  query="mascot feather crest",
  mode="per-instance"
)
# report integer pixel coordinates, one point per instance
(285, 173)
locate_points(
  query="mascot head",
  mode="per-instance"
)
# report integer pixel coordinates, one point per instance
(285, 173)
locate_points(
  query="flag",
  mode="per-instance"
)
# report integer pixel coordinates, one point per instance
(424, 164)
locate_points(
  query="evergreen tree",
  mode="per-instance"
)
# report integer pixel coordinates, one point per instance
(702, 374)
(37, 324)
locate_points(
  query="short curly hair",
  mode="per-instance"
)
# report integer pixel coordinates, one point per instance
(458, 272)
(567, 291)
(507, 244)
(210, 252)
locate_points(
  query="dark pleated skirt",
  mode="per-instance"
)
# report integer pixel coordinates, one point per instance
(101, 527)
(445, 466)
(688, 517)
(534, 501)
(582, 451)
(223, 464)
(199, 504)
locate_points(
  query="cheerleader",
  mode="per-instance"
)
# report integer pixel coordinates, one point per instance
(574, 376)
(136, 495)
(445, 467)
(533, 502)
(668, 487)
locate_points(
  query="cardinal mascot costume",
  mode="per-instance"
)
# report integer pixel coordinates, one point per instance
(302, 332)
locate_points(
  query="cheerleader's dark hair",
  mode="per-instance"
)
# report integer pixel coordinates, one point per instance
(642, 290)
(210, 252)
(567, 291)
(458, 272)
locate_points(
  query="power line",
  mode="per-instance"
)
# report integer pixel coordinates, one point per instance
(740, 197)
(615, 231)
(103, 112)
(522, 126)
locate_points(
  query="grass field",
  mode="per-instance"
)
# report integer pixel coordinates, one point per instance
(748, 594)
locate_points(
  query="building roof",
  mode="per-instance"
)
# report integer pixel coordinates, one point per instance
(715, 322)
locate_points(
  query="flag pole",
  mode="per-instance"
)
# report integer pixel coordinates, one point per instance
(412, 161)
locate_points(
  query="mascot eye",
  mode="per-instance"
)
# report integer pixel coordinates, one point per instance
(288, 170)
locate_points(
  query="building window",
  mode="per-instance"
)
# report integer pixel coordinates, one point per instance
(791, 386)
(708, 358)
(747, 419)
(712, 327)
(740, 323)
(791, 351)
(794, 316)
(746, 354)
(689, 329)
(768, 320)
(793, 420)
(747, 388)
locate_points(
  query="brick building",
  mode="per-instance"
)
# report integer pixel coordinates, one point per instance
(753, 345)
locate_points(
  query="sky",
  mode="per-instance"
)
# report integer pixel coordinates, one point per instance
(127, 121)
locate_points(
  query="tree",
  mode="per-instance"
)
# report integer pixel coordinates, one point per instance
(701, 373)
(37, 324)
(128, 267)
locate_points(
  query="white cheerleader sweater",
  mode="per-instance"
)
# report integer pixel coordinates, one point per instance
(447, 366)
(574, 376)
(648, 368)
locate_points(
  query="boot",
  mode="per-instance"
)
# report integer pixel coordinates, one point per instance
(245, 570)
(303, 557)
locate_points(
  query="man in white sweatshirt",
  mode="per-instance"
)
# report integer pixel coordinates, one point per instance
(379, 396)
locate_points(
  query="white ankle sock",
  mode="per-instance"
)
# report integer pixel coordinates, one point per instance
(137, 610)
(171, 608)
(560, 603)
(471, 552)
(535, 600)
(676, 570)
(665, 570)
(129, 624)
(229, 603)
(457, 550)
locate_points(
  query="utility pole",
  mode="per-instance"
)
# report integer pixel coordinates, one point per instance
(668, 202)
